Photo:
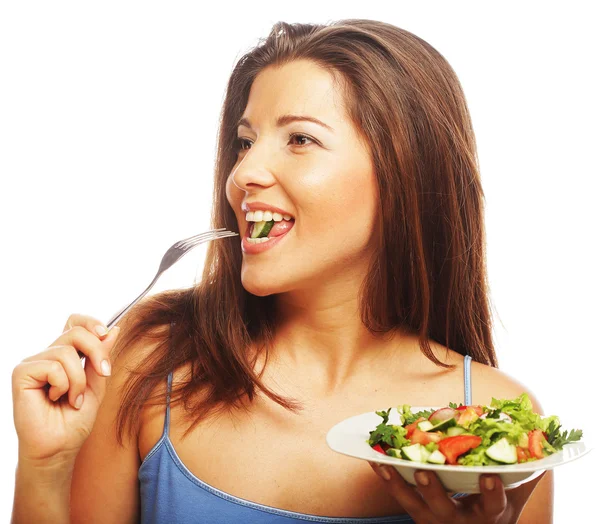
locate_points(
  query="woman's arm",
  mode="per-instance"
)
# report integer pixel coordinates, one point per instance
(539, 508)
(42, 492)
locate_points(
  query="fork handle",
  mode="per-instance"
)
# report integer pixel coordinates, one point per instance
(118, 316)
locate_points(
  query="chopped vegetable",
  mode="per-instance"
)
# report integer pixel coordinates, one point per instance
(452, 447)
(506, 432)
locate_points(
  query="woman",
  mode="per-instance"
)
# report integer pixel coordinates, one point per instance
(369, 292)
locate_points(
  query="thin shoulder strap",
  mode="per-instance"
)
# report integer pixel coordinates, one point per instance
(467, 374)
(169, 382)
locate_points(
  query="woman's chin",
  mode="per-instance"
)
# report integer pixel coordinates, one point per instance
(261, 286)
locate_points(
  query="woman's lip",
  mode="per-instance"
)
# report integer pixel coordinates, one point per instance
(253, 249)
(261, 206)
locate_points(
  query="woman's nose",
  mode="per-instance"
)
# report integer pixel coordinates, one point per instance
(255, 170)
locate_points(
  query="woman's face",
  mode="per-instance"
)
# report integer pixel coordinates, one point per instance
(322, 177)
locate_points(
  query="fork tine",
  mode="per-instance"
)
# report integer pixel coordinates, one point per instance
(193, 241)
(200, 236)
(209, 235)
(212, 231)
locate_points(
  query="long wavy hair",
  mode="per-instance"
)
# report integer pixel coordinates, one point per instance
(429, 275)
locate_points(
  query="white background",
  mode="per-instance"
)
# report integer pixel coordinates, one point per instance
(108, 119)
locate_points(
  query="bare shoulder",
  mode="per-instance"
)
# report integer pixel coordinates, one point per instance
(488, 382)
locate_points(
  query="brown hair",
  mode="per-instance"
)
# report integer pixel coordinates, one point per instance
(429, 277)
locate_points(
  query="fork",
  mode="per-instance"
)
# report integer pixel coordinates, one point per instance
(173, 254)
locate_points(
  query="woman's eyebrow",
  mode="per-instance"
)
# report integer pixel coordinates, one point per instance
(286, 119)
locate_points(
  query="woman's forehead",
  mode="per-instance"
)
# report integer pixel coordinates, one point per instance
(279, 94)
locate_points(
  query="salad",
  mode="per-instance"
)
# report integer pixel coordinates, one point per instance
(506, 432)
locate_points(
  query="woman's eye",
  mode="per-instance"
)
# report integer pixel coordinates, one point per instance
(241, 142)
(299, 136)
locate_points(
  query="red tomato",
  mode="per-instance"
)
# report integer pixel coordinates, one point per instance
(452, 447)
(522, 454)
(377, 447)
(425, 437)
(411, 427)
(535, 443)
(478, 409)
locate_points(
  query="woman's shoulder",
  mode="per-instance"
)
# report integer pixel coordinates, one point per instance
(488, 381)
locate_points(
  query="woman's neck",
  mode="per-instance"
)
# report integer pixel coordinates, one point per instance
(325, 346)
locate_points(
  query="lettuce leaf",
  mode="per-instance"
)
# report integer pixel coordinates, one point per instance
(409, 417)
(390, 434)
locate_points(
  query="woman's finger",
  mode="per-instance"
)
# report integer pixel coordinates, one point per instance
(85, 343)
(69, 360)
(403, 492)
(436, 497)
(93, 325)
(36, 374)
(493, 501)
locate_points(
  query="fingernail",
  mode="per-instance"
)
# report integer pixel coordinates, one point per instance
(79, 401)
(383, 472)
(105, 368)
(422, 478)
(489, 483)
(101, 330)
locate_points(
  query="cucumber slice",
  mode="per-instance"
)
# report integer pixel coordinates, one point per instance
(436, 457)
(393, 452)
(412, 452)
(444, 424)
(261, 229)
(456, 430)
(425, 425)
(502, 451)
(425, 454)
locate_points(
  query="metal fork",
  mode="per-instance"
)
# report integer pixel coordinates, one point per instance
(173, 254)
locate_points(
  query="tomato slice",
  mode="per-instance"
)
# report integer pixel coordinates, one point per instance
(411, 427)
(535, 443)
(522, 454)
(425, 437)
(452, 447)
(377, 447)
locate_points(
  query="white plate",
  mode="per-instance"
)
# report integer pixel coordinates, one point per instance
(350, 436)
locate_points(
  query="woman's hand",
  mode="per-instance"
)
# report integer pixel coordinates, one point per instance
(430, 503)
(50, 425)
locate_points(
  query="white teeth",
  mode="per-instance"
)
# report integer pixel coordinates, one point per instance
(258, 216)
(258, 240)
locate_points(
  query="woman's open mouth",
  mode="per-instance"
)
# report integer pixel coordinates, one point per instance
(263, 234)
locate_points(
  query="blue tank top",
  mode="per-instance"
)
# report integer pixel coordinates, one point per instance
(169, 492)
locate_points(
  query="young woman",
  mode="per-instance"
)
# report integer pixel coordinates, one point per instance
(370, 291)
